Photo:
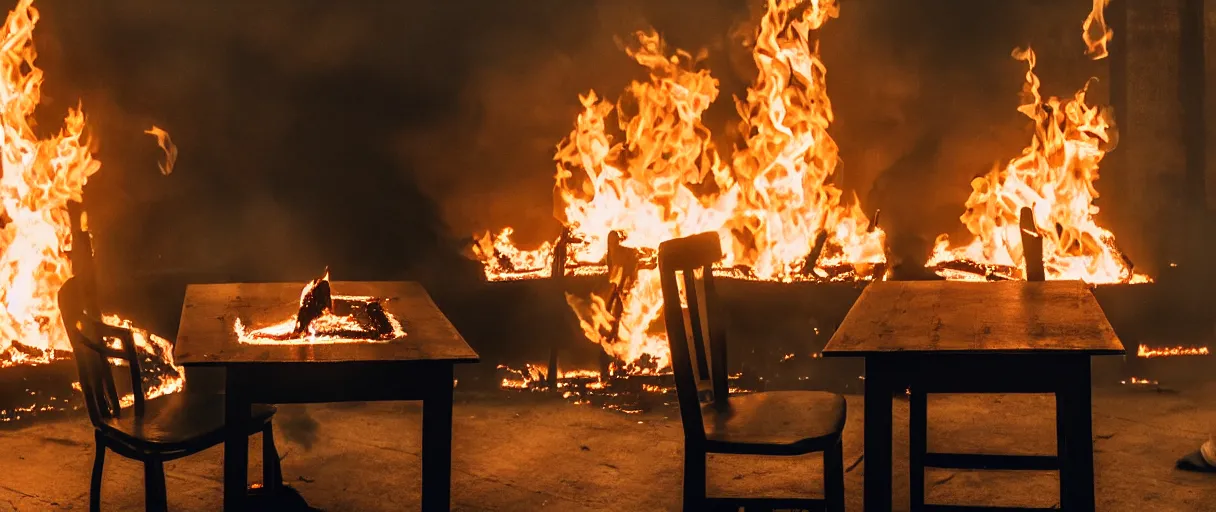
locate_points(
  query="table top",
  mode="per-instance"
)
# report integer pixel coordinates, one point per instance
(206, 336)
(983, 318)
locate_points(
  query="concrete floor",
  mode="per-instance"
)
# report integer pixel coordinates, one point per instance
(529, 452)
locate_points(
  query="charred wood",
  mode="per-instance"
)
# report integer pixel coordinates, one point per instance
(314, 303)
(1032, 246)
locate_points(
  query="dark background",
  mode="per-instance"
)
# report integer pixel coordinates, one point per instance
(372, 136)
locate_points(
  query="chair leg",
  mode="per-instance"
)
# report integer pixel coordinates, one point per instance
(833, 477)
(155, 496)
(272, 473)
(99, 464)
(694, 478)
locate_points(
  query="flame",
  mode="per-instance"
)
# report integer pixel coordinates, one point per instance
(1096, 23)
(1147, 352)
(166, 377)
(166, 144)
(661, 177)
(1054, 176)
(38, 178)
(329, 327)
(1139, 382)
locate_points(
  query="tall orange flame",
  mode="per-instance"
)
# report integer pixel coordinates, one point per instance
(39, 177)
(665, 179)
(1054, 176)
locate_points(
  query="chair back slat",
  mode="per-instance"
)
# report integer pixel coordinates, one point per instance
(695, 324)
(698, 344)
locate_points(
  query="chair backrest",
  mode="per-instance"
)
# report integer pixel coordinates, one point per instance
(1032, 246)
(698, 343)
(87, 334)
(81, 255)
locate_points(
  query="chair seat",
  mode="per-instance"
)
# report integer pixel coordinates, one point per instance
(188, 422)
(775, 423)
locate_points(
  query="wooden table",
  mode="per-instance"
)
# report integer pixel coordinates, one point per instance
(954, 337)
(417, 366)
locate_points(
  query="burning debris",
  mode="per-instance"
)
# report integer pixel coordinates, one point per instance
(619, 390)
(327, 318)
(773, 201)
(40, 177)
(1053, 178)
(1149, 352)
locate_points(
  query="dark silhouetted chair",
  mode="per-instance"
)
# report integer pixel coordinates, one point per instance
(781, 423)
(152, 431)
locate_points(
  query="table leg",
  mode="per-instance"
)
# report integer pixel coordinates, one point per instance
(1077, 474)
(236, 444)
(918, 446)
(877, 439)
(437, 444)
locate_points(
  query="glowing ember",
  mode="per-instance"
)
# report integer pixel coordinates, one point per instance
(1136, 381)
(774, 203)
(40, 176)
(1095, 22)
(1054, 177)
(324, 318)
(1146, 351)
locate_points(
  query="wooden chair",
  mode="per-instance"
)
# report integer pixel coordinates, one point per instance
(779, 423)
(155, 431)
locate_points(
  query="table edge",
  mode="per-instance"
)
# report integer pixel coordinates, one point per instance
(1043, 352)
(454, 361)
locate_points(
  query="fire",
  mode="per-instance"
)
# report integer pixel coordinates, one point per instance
(773, 202)
(327, 318)
(1136, 381)
(166, 144)
(165, 376)
(1095, 22)
(39, 177)
(1054, 176)
(1146, 351)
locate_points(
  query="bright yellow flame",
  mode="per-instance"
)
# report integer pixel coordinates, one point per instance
(1054, 176)
(662, 177)
(1095, 32)
(39, 177)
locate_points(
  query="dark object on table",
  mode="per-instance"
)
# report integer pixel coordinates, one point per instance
(379, 322)
(769, 423)
(313, 304)
(1195, 462)
(1032, 246)
(163, 429)
(951, 337)
(415, 367)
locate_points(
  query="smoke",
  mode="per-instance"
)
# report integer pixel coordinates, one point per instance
(297, 425)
